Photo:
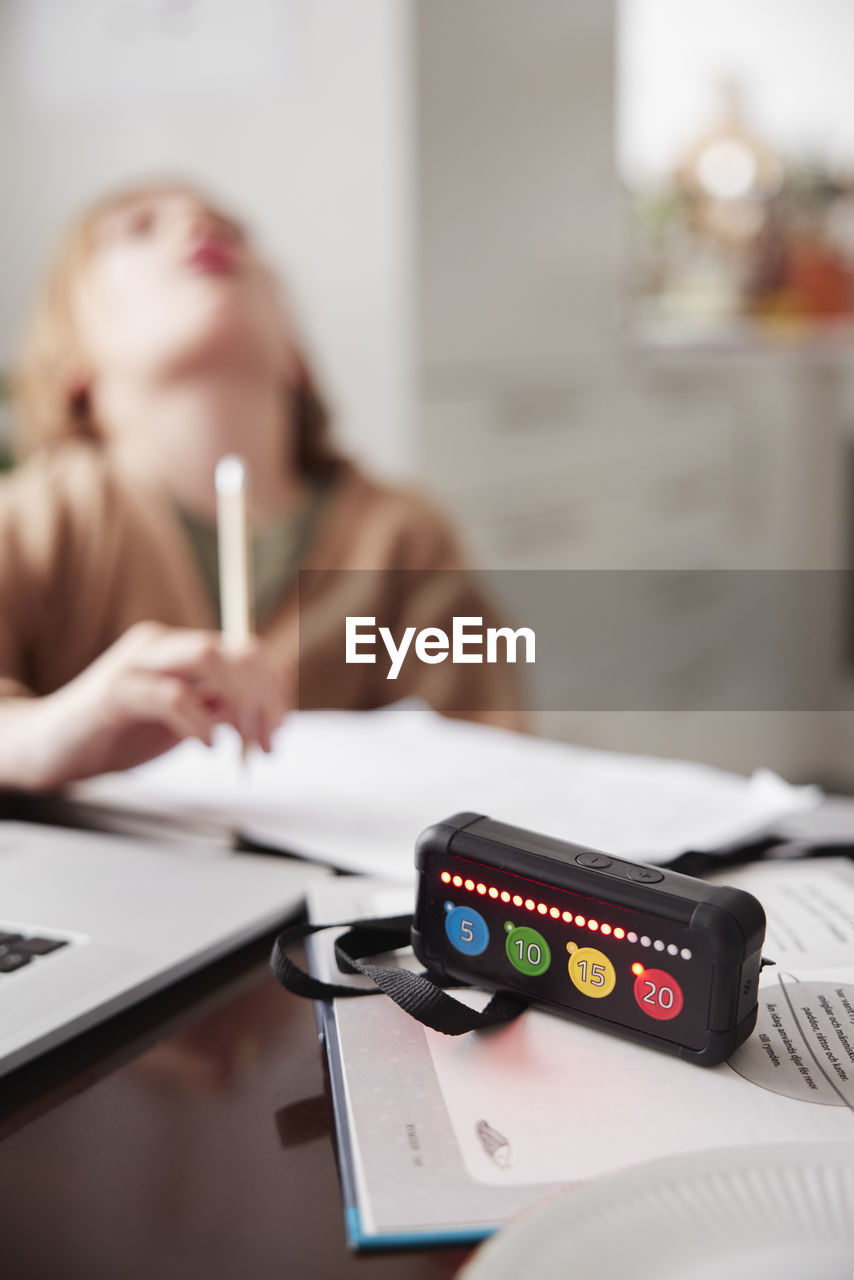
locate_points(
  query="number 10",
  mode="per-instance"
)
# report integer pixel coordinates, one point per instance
(534, 954)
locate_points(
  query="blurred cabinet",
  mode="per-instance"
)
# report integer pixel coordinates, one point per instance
(704, 467)
(593, 478)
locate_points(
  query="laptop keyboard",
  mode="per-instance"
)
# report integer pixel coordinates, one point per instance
(18, 950)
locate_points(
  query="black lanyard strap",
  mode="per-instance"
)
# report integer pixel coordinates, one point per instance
(418, 994)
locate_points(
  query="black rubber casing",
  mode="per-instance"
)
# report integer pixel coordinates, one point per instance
(728, 925)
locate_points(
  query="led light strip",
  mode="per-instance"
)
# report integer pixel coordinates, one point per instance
(568, 917)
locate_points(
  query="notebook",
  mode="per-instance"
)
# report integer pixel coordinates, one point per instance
(443, 1139)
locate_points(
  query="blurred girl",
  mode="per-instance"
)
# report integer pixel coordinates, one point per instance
(159, 343)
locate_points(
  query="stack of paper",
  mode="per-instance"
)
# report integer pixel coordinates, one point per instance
(354, 789)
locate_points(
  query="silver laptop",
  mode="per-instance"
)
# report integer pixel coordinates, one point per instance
(91, 923)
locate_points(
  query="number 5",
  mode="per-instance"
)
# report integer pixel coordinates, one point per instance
(466, 931)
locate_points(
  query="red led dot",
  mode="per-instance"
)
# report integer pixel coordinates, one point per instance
(493, 892)
(606, 928)
(637, 968)
(481, 888)
(542, 908)
(619, 933)
(567, 915)
(593, 924)
(505, 897)
(517, 901)
(458, 881)
(469, 885)
(530, 904)
(446, 877)
(554, 913)
(579, 920)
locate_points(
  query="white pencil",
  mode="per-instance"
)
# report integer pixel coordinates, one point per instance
(232, 484)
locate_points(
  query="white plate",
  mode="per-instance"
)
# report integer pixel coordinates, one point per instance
(776, 1212)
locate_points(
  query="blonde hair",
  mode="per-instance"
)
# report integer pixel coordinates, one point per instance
(50, 408)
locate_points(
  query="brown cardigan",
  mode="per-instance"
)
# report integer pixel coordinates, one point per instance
(85, 552)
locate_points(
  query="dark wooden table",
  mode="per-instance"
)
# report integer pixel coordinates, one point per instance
(189, 1137)
(192, 1137)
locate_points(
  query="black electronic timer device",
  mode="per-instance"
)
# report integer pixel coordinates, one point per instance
(655, 956)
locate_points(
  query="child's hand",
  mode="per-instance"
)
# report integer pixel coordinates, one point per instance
(151, 689)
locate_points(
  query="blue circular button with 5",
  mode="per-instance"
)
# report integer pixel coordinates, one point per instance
(466, 929)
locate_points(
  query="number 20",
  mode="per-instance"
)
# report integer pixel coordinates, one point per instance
(664, 994)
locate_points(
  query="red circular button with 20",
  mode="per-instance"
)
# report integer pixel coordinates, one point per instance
(658, 994)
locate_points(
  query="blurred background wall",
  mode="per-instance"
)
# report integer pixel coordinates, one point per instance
(582, 270)
(296, 113)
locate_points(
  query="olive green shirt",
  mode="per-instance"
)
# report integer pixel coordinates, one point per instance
(275, 553)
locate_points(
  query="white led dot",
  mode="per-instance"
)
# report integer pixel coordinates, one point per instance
(645, 942)
(672, 950)
(685, 953)
(632, 936)
(658, 944)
